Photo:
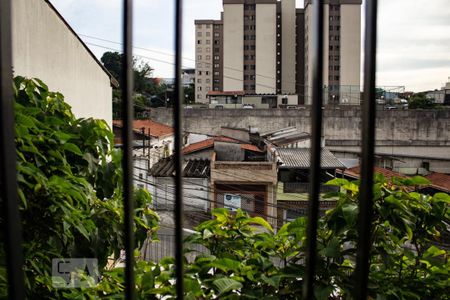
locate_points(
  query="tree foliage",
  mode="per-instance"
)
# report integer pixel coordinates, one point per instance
(248, 260)
(70, 187)
(420, 100)
(145, 86)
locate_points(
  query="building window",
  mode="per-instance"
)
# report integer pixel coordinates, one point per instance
(199, 65)
(216, 57)
(208, 33)
(216, 73)
(199, 57)
(199, 96)
(216, 65)
(208, 57)
(199, 88)
(208, 49)
(199, 80)
(199, 33)
(207, 72)
(208, 88)
(199, 49)
(208, 26)
(216, 34)
(216, 42)
(199, 42)
(208, 42)
(199, 72)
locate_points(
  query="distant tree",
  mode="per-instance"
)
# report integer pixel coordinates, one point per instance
(420, 100)
(145, 86)
(113, 63)
(189, 94)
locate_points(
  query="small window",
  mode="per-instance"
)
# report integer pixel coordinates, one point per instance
(208, 42)
(199, 57)
(199, 80)
(199, 33)
(208, 33)
(208, 57)
(199, 72)
(199, 88)
(207, 73)
(199, 42)
(216, 34)
(208, 49)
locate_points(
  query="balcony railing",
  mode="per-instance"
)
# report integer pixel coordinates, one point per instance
(8, 175)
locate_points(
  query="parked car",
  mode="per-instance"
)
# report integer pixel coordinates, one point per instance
(247, 106)
(218, 107)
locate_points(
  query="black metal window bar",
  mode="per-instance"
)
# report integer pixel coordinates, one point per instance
(8, 178)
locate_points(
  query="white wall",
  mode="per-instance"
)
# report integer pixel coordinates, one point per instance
(233, 47)
(195, 192)
(266, 59)
(350, 49)
(44, 47)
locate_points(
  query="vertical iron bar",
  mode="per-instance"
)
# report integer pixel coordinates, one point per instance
(178, 156)
(127, 137)
(367, 155)
(316, 136)
(8, 169)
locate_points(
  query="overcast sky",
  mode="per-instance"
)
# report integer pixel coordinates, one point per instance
(414, 35)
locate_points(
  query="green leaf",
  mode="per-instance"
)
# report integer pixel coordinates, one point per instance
(224, 285)
(259, 221)
(72, 148)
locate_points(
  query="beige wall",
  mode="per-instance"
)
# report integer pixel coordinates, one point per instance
(44, 47)
(266, 17)
(350, 49)
(288, 42)
(204, 61)
(233, 46)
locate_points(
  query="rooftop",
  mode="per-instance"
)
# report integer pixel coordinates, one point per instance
(193, 168)
(299, 158)
(152, 128)
(440, 181)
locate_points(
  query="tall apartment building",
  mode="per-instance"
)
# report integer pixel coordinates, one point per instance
(342, 50)
(208, 58)
(262, 47)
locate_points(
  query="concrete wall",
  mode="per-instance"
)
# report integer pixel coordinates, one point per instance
(343, 126)
(266, 59)
(288, 48)
(44, 47)
(233, 47)
(350, 48)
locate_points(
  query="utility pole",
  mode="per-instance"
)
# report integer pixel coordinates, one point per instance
(149, 149)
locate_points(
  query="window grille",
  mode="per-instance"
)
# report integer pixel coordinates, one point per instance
(8, 178)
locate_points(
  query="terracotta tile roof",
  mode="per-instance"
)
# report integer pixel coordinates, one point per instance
(205, 144)
(156, 129)
(198, 146)
(355, 171)
(440, 181)
(250, 147)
